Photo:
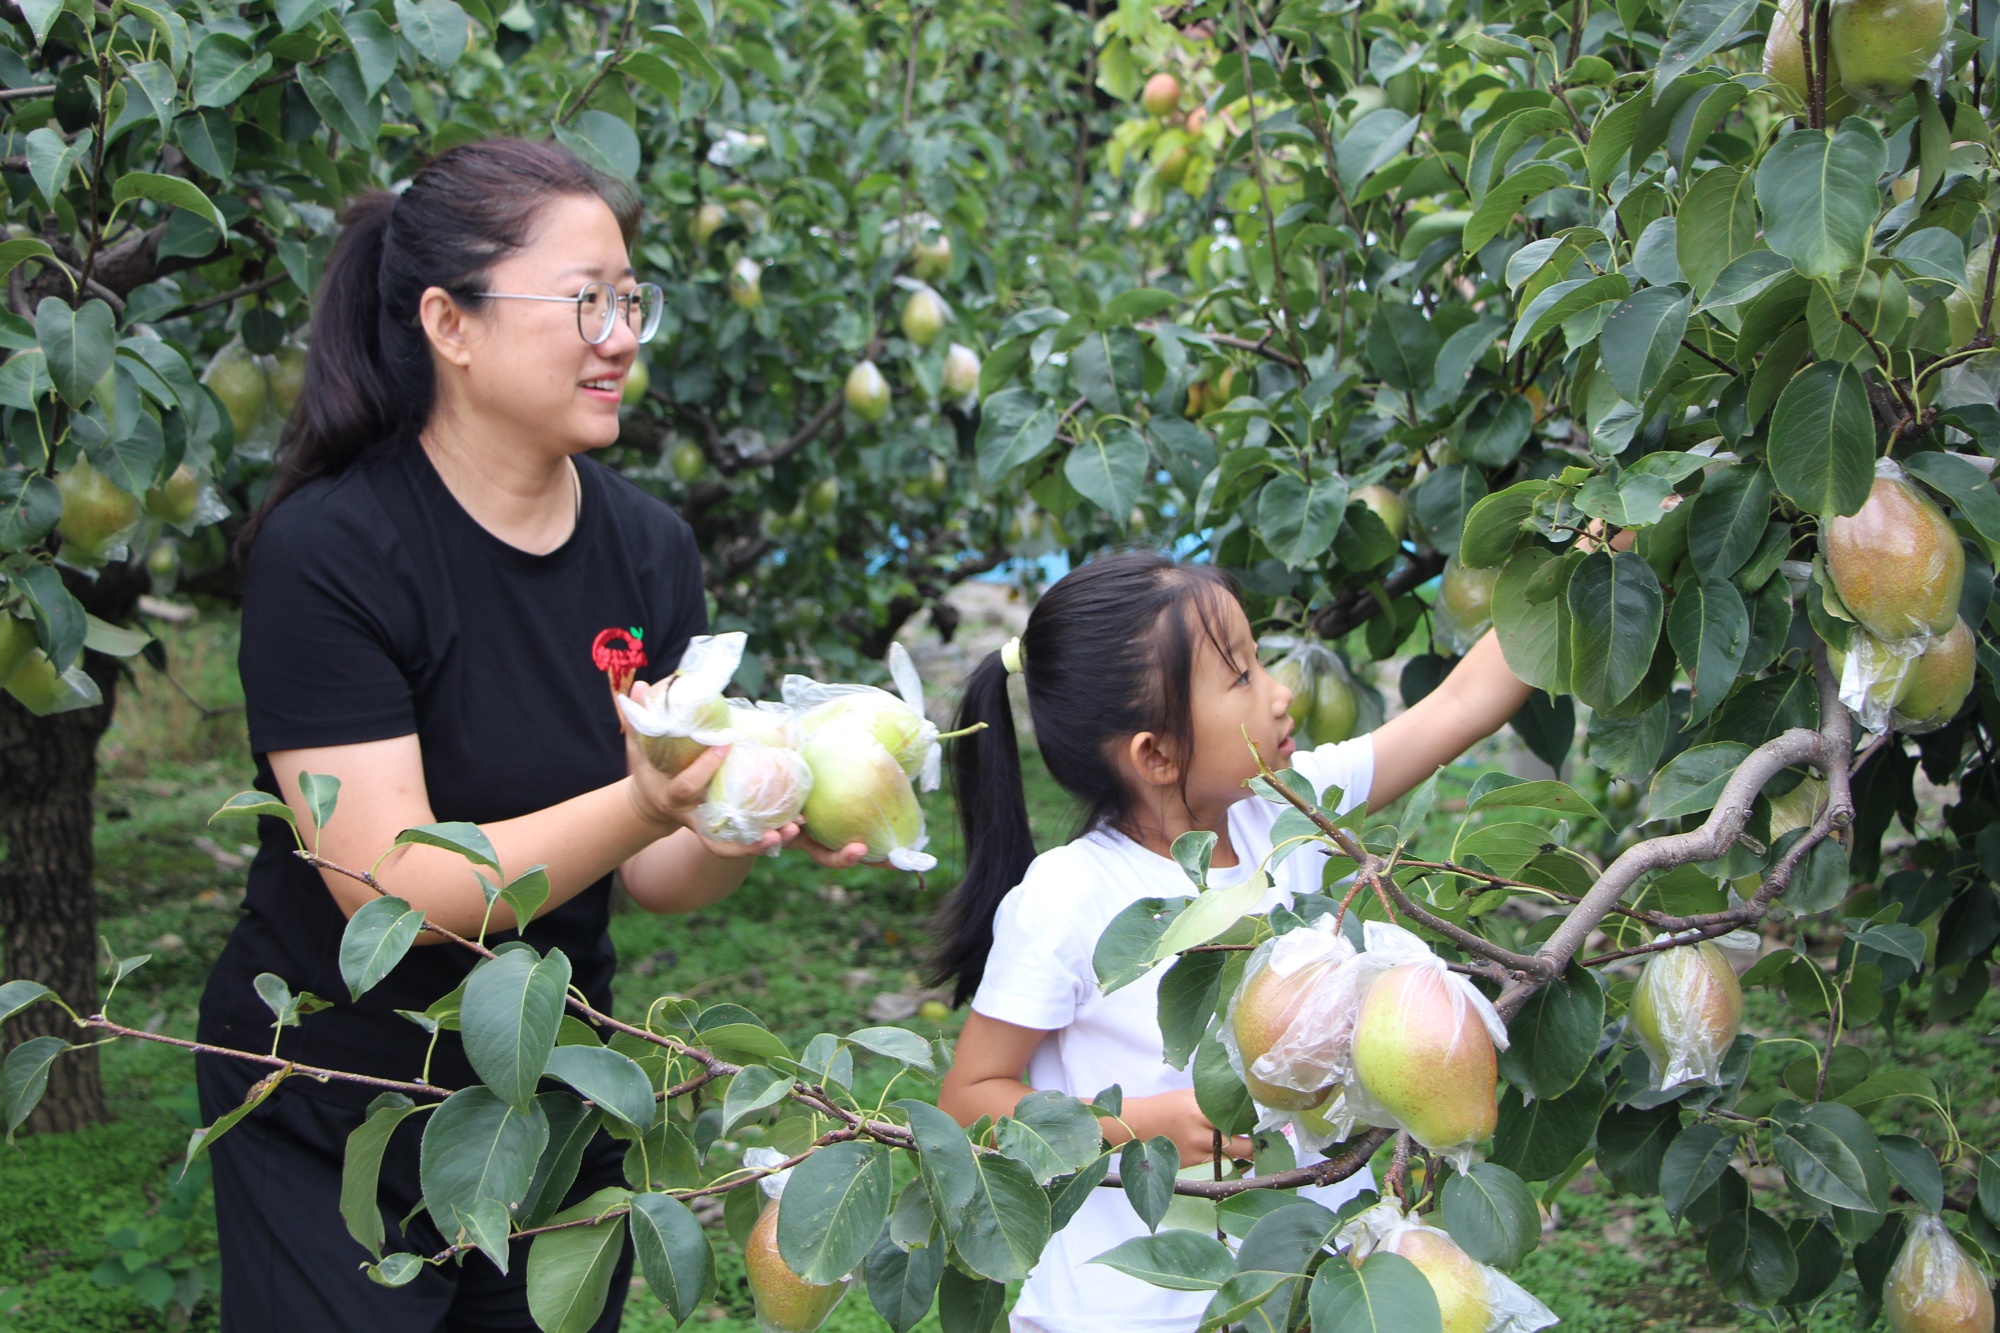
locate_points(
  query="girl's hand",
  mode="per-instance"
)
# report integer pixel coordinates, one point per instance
(1176, 1115)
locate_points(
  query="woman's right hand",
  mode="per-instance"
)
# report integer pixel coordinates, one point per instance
(1177, 1116)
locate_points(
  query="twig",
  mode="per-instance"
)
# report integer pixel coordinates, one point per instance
(1717, 362)
(603, 70)
(102, 1024)
(1264, 190)
(1336, 1168)
(263, 284)
(1261, 346)
(1910, 407)
(32, 90)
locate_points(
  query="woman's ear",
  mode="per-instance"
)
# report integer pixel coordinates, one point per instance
(446, 325)
(1147, 757)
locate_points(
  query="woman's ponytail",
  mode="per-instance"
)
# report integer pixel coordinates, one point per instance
(993, 810)
(370, 381)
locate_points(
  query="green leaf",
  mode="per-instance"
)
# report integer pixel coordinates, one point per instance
(25, 1076)
(1215, 911)
(1175, 1259)
(1915, 1168)
(1137, 304)
(1129, 946)
(1615, 609)
(1561, 301)
(204, 1138)
(1822, 440)
(377, 936)
(1386, 1294)
(1555, 1034)
(1751, 1257)
(208, 137)
(1820, 199)
(970, 1304)
(615, 1082)
(255, 803)
(1146, 1169)
(673, 1253)
(78, 344)
(1730, 514)
(340, 94)
(1643, 335)
(174, 191)
(569, 1271)
(1491, 1214)
(1507, 198)
(1717, 224)
(436, 28)
(321, 792)
(1298, 519)
(374, 43)
(395, 1270)
(30, 505)
(605, 142)
(513, 1003)
(1050, 1133)
(1441, 501)
(18, 995)
(478, 1156)
(1694, 779)
(1831, 1153)
(1005, 1224)
(51, 158)
(1968, 488)
(1016, 426)
(1699, 29)
(572, 1125)
(1709, 628)
(1402, 346)
(1631, 1144)
(836, 1202)
(902, 1284)
(361, 1169)
(1545, 794)
(945, 1161)
(1372, 141)
(750, 1091)
(224, 68)
(1109, 366)
(1695, 1160)
(466, 839)
(898, 1044)
(525, 894)
(1493, 527)
(1538, 1139)
(1109, 468)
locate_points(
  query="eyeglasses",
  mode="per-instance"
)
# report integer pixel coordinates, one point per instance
(599, 305)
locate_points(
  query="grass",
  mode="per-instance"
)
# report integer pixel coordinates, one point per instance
(807, 950)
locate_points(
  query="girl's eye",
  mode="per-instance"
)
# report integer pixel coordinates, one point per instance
(1244, 679)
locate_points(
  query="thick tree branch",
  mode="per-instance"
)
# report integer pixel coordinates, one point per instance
(1354, 606)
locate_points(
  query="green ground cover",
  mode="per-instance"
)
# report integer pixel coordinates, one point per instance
(93, 1231)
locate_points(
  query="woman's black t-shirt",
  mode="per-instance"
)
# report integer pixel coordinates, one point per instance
(376, 607)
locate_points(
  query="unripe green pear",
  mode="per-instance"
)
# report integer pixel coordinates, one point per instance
(897, 727)
(175, 499)
(96, 514)
(1161, 95)
(1290, 672)
(1427, 1058)
(824, 497)
(923, 317)
(687, 461)
(37, 684)
(860, 793)
(931, 260)
(671, 754)
(1468, 595)
(1456, 1278)
(1934, 1287)
(746, 284)
(17, 640)
(708, 220)
(1264, 1008)
(786, 1302)
(1936, 685)
(637, 380)
(1896, 564)
(758, 788)
(867, 392)
(1688, 1000)
(239, 381)
(1785, 62)
(961, 371)
(1174, 166)
(288, 378)
(1884, 46)
(1391, 508)
(1336, 706)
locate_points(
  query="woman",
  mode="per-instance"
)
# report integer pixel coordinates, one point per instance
(429, 577)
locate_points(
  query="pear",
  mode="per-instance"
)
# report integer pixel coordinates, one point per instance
(1391, 508)
(1456, 1278)
(671, 754)
(931, 260)
(904, 732)
(758, 788)
(708, 220)
(17, 639)
(1933, 1287)
(1291, 673)
(1263, 1009)
(1785, 62)
(1686, 1011)
(1883, 674)
(1161, 94)
(176, 499)
(1935, 687)
(1468, 595)
(1426, 1058)
(37, 684)
(1336, 706)
(1884, 46)
(1896, 564)
(96, 516)
(923, 317)
(786, 1302)
(867, 392)
(766, 726)
(861, 794)
(961, 371)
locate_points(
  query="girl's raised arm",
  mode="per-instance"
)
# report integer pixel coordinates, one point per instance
(1474, 701)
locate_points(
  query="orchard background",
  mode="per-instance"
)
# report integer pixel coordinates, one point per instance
(1527, 268)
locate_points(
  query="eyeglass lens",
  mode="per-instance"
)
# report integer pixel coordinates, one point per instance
(597, 311)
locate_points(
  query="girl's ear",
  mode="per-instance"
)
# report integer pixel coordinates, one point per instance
(1147, 758)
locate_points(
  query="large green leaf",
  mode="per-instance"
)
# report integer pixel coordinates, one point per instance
(78, 342)
(1822, 440)
(377, 936)
(1709, 628)
(436, 28)
(944, 1160)
(1491, 1214)
(835, 1204)
(1700, 28)
(614, 1082)
(1730, 514)
(1642, 337)
(1819, 195)
(1005, 1223)
(672, 1252)
(361, 1169)
(902, 1284)
(1298, 519)
(1385, 1294)
(1555, 1034)
(24, 1077)
(569, 1271)
(1109, 468)
(1717, 224)
(1016, 426)
(512, 1005)
(1615, 609)
(1050, 1133)
(1176, 1259)
(478, 1155)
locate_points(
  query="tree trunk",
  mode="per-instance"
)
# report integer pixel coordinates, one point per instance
(48, 900)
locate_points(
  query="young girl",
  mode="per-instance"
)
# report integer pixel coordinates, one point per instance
(1143, 682)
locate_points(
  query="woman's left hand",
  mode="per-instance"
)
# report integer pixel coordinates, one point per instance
(791, 835)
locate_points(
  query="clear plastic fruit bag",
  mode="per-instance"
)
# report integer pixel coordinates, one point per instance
(1284, 1032)
(765, 722)
(1896, 565)
(686, 713)
(861, 794)
(1471, 1296)
(1873, 674)
(785, 1302)
(1686, 1011)
(757, 789)
(1463, 610)
(1329, 704)
(1934, 1284)
(899, 724)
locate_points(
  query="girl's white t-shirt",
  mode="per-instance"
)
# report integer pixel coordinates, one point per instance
(1039, 975)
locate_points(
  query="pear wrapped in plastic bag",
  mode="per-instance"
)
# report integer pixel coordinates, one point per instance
(1424, 1048)
(757, 789)
(686, 713)
(785, 1302)
(765, 723)
(898, 723)
(1934, 1286)
(1284, 1032)
(861, 794)
(1686, 1011)
(1472, 1297)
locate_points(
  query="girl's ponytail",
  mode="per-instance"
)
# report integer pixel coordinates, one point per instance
(993, 810)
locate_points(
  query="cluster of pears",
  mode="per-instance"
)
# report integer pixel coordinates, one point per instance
(1471, 1297)
(1388, 1036)
(1326, 703)
(256, 391)
(846, 760)
(1934, 1286)
(99, 516)
(1686, 1011)
(923, 319)
(1877, 49)
(1898, 568)
(1161, 99)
